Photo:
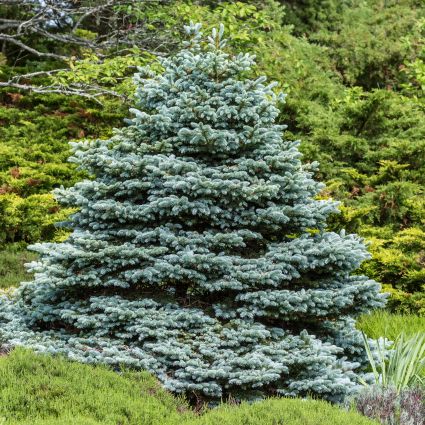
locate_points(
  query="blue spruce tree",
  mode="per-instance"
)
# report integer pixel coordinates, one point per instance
(199, 250)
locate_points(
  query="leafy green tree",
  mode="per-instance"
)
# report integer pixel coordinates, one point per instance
(199, 250)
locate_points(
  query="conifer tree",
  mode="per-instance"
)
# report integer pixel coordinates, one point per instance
(199, 250)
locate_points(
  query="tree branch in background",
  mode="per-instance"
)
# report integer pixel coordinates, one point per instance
(91, 92)
(66, 33)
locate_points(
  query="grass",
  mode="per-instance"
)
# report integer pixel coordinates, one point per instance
(12, 270)
(381, 323)
(42, 390)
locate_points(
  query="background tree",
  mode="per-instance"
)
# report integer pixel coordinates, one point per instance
(199, 250)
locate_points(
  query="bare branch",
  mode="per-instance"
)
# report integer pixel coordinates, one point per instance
(91, 11)
(89, 92)
(56, 22)
(19, 77)
(6, 37)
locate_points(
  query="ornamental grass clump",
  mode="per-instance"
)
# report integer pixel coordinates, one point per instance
(402, 366)
(199, 251)
(397, 396)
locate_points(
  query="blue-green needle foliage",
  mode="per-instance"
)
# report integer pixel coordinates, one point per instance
(199, 249)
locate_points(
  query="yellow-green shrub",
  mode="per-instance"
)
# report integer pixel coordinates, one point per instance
(43, 390)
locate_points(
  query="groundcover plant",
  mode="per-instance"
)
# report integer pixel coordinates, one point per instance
(199, 251)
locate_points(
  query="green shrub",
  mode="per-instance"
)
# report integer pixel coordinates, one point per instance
(309, 16)
(369, 53)
(398, 262)
(43, 390)
(282, 412)
(41, 387)
(30, 218)
(34, 135)
(405, 303)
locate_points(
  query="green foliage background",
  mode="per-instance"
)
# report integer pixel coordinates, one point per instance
(355, 77)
